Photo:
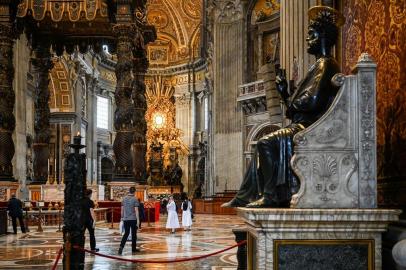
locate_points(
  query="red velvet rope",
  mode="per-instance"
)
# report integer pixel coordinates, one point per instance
(57, 258)
(161, 261)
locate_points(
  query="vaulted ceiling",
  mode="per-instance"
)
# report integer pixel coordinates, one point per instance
(178, 24)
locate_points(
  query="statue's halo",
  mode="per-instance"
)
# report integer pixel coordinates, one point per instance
(327, 13)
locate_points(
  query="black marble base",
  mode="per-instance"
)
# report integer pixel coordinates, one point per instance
(324, 254)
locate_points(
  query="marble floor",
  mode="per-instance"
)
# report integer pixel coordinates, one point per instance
(210, 233)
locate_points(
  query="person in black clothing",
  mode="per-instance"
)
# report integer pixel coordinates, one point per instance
(89, 220)
(141, 213)
(15, 210)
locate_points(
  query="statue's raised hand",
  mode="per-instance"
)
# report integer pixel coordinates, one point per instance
(281, 82)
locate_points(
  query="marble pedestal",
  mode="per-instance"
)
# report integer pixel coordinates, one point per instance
(293, 239)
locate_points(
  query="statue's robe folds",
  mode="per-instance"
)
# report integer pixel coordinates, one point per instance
(269, 173)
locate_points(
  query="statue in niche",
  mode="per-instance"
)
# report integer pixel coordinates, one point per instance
(177, 173)
(272, 183)
(156, 164)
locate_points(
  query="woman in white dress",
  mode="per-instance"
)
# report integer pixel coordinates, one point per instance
(186, 215)
(172, 222)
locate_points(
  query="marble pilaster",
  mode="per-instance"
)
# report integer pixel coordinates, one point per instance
(91, 138)
(228, 73)
(22, 109)
(294, 22)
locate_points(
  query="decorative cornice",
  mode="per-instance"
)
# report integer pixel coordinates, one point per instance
(198, 65)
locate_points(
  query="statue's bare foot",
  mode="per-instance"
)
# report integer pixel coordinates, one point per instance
(262, 203)
(235, 202)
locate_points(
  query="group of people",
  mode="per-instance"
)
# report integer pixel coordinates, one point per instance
(131, 215)
(172, 222)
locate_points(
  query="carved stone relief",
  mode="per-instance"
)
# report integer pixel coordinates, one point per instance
(230, 11)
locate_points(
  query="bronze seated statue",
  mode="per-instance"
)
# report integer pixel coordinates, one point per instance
(271, 182)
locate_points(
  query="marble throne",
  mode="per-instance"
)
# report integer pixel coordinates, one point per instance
(333, 222)
(335, 158)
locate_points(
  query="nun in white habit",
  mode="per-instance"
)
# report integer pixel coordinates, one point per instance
(172, 221)
(186, 215)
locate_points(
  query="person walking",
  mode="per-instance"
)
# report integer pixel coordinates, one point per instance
(15, 210)
(131, 218)
(89, 218)
(172, 222)
(186, 214)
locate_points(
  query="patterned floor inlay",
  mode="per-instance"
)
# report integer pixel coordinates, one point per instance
(38, 250)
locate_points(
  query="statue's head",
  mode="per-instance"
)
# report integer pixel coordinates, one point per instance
(323, 29)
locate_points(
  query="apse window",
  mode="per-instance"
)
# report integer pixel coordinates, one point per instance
(102, 112)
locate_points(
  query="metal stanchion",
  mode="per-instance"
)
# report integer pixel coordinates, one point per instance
(112, 218)
(59, 220)
(39, 229)
(67, 253)
(26, 220)
(148, 210)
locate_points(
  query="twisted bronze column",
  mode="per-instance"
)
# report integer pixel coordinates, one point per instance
(42, 64)
(7, 101)
(123, 115)
(140, 107)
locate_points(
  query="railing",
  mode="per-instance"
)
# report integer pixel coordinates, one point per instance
(42, 217)
(251, 88)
